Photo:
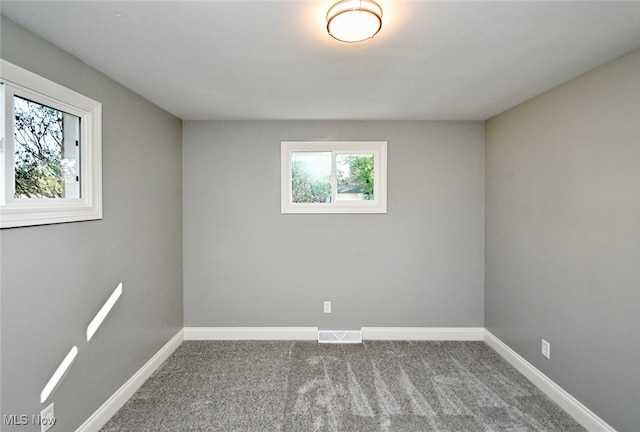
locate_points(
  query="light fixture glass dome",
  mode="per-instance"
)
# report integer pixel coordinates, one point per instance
(354, 20)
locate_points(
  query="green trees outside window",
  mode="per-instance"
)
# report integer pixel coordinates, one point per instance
(311, 176)
(41, 168)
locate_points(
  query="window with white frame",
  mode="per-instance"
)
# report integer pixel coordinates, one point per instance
(334, 177)
(50, 151)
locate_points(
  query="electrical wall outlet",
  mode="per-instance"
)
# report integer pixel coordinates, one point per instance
(47, 418)
(327, 307)
(546, 349)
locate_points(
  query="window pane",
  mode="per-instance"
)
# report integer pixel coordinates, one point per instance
(311, 177)
(354, 176)
(47, 152)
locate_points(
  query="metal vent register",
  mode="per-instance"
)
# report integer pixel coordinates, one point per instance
(339, 336)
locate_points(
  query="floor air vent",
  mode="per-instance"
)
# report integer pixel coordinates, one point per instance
(339, 336)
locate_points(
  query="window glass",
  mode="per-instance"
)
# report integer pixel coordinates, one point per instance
(46, 151)
(311, 177)
(355, 177)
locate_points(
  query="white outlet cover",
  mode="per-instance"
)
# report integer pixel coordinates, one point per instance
(546, 349)
(327, 307)
(47, 418)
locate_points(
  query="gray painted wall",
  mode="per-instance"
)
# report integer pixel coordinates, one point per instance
(421, 264)
(563, 236)
(55, 278)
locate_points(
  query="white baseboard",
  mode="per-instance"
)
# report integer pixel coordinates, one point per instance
(424, 333)
(115, 402)
(251, 333)
(583, 415)
(311, 333)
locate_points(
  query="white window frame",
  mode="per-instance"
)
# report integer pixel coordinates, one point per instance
(19, 212)
(377, 205)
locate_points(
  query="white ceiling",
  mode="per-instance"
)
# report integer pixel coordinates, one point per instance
(274, 60)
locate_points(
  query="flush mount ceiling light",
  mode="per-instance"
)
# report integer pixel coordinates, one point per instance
(354, 20)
